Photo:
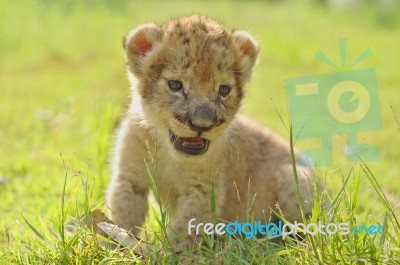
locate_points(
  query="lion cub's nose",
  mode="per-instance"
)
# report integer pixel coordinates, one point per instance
(199, 129)
(202, 119)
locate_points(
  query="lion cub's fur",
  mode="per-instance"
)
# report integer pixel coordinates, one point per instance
(248, 165)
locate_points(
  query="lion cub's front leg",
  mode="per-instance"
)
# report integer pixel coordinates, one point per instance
(127, 195)
(127, 204)
(195, 203)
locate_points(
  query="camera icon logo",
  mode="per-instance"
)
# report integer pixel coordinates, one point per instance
(340, 103)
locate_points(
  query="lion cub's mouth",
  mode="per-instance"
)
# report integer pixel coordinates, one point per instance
(189, 145)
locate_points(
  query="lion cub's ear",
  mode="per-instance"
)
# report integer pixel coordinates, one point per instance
(248, 50)
(140, 43)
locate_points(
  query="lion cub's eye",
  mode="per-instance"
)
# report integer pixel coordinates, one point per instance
(175, 85)
(224, 90)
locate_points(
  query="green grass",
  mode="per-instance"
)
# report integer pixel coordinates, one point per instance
(63, 89)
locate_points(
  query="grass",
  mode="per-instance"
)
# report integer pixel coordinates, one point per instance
(63, 89)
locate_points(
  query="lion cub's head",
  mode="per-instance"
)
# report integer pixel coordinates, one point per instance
(189, 77)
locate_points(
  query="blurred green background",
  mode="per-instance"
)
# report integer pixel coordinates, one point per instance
(63, 86)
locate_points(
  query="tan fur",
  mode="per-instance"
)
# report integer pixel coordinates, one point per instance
(248, 165)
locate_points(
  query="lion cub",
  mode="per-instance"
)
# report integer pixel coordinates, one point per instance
(188, 78)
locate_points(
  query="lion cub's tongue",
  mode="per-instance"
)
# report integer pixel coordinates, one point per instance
(193, 142)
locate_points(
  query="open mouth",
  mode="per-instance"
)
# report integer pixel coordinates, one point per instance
(189, 145)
